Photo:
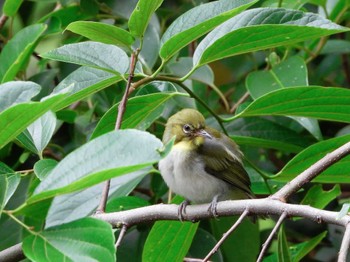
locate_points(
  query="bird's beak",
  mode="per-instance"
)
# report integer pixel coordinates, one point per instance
(203, 133)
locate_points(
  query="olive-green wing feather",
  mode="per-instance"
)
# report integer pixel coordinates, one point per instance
(222, 159)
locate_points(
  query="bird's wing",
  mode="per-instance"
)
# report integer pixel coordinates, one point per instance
(222, 159)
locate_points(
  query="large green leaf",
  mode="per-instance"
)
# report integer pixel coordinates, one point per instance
(16, 118)
(140, 113)
(113, 154)
(337, 173)
(70, 207)
(324, 103)
(291, 72)
(103, 33)
(261, 132)
(141, 16)
(87, 239)
(83, 82)
(169, 241)
(18, 50)
(198, 21)
(109, 58)
(16, 92)
(259, 29)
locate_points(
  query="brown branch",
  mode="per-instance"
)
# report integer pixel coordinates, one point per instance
(345, 245)
(226, 235)
(269, 239)
(310, 173)
(3, 19)
(12, 254)
(240, 101)
(264, 206)
(121, 235)
(121, 110)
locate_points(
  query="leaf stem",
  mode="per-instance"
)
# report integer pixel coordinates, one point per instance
(29, 229)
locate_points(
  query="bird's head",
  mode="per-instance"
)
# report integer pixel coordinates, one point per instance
(186, 125)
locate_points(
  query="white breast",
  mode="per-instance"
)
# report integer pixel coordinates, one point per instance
(185, 175)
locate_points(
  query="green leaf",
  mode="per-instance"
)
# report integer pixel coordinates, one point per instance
(17, 51)
(140, 113)
(289, 73)
(336, 46)
(3, 191)
(105, 57)
(39, 133)
(13, 181)
(197, 22)
(16, 118)
(83, 82)
(259, 29)
(203, 242)
(104, 33)
(141, 16)
(121, 152)
(344, 211)
(299, 251)
(70, 207)
(324, 103)
(261, 132)
(10, 7)
(72, 242)
(246, 237)
(16, 92)
(169, 241)
(43, 167)
(319, 198)
(283, 249)
(337, 173)
(125, 203)
(9, 181)
(183, 65)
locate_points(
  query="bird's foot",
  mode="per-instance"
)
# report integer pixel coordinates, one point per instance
(212, 207)
(182, 210)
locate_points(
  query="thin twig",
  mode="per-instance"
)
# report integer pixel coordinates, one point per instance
(240, 101)
(121, 235)
(313, 171)
(345, 245)
(121, 109)
(226, 235)
(269, 239)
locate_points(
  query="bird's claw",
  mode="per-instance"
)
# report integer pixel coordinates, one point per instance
(213, 207)
(182, 210)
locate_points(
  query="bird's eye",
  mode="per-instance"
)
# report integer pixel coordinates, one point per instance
(187, 128)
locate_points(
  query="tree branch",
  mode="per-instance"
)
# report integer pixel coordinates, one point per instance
(269, 239)
(3, 19)
(265, 206)
(226, 235)
(121, 109)
(345, 245)
(310, 173)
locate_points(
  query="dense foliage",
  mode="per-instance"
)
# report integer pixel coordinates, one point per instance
(273, 75)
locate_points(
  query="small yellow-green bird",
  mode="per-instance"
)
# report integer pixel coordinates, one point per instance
(204, 165)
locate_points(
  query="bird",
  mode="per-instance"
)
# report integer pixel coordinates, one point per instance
(204, 165)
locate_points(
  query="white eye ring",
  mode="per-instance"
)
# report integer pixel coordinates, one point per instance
(187, 128)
